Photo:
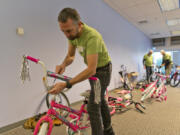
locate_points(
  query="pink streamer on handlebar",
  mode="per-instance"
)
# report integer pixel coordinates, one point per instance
(32, 59)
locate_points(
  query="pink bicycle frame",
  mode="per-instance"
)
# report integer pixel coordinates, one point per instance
(51, 111)
(157, 92)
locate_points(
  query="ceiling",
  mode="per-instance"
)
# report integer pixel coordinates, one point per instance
(147, 16)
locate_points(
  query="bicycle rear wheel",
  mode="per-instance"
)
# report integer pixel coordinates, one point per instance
(175, 80)
(60, 98)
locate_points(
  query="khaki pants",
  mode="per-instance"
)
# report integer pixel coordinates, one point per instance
(168, 71)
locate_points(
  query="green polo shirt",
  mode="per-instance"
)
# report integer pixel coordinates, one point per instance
(167, 59)
(91, 42)
(148, 60)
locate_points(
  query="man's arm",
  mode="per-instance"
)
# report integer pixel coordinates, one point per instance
(144, 59)
(70, 55)
(67, 61)
(88, 72)
(92, 60)
(163, 62)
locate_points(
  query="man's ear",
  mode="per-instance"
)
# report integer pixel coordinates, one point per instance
(80, 23)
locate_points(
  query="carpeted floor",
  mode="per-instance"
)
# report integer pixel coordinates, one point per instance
(160, 118)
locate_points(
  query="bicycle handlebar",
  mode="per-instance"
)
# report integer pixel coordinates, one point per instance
(52, 74)
(58, 76)
(32, 59)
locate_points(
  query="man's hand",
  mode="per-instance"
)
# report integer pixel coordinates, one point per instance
(60, 69)
(58, 87)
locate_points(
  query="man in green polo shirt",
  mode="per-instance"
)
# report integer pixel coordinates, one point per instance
(148, 63)
(92, 48)
(167, 63)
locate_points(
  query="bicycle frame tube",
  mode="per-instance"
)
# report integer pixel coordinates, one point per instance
(69, 109)
(150, 90)
(149, 87)
(60, 106)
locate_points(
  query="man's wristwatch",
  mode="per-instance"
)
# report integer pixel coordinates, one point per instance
(68, 85)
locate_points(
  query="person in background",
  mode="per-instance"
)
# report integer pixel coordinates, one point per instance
(92, 48)
(167, 63)
(148, 63)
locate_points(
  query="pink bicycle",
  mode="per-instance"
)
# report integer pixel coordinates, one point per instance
(79, 119)
(122, 103)
(125, 99)
(156, 89)
(175, 78)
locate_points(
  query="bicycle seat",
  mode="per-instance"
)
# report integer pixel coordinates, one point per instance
(86, 94)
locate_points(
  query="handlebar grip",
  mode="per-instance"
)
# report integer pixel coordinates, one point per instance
(32, 59)
(58, 76)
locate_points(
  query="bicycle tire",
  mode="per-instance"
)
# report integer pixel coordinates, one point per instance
(152, 78)
(60, 98)
(176, 78)
(43, 129)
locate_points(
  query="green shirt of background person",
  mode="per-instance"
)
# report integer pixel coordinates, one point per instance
(91, 42)
(148, 59)
(167, 60)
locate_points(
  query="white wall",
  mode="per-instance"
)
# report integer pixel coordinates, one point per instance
(43, 39)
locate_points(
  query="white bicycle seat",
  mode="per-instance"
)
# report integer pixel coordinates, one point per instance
(86, 94)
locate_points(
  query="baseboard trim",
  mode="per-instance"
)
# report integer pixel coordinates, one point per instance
(12, 126)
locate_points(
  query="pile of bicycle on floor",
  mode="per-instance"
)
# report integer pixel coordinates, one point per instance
(153, 88)
(77, 120)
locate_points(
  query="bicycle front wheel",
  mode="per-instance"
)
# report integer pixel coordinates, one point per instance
(43, 129)
(175, 80)
(152, 78)
(60, 98)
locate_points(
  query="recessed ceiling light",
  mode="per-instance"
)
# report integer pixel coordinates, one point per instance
(176, 32)
(173, 22)
(154, 34)
(167, 5)
(143, 22)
